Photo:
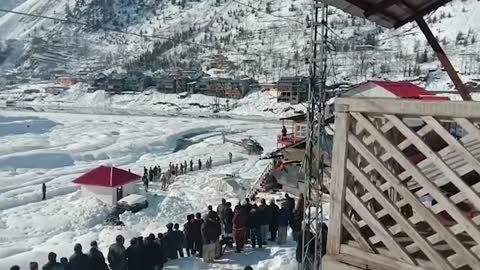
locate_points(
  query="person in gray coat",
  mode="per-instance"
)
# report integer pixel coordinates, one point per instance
(117, 254)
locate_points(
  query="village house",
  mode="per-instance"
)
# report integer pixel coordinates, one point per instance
(293, 90)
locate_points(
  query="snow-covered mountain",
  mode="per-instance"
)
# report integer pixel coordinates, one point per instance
(265, 39)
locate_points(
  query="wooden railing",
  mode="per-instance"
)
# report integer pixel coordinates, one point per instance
(257, 185)
(390, 211)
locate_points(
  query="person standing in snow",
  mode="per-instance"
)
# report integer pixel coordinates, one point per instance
(169, 237)
(197, 232)
(265, 216)
(220, 211)
(79, 260)
(179, 239)
(210, 162)
(117, 254)
(176, 170)
(191, 165)
(151, 257)
(282, 221)
(164, 181)
(228, 223)
(189, 235)
(230, 157)
(199, 164)
(240, 221)
(254, 223)
(210, 236)
(185, 166)
(290, 203)
(134, 255)
(44, 192)
(145, 184)
(96, 257)
(181, 168)
(64, 263)
(52, 263)
(273, 226)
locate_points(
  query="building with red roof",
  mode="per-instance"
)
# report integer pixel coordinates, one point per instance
(388, 89)
(108, 184)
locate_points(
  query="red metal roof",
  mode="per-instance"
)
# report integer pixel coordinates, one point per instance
(107, 177)
(407, 90)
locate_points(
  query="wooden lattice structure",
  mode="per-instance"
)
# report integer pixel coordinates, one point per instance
(405, 183)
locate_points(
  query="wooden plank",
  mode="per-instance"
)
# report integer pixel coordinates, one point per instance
(393, 211)
(405, 193)
(454, 143)
(374, 261)
(451, 209)
(338, 184)
(377, 227)
(355, 233)
(464, 109)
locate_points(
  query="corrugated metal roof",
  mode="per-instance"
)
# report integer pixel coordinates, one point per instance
(388, 13)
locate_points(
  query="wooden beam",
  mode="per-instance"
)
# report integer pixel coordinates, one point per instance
(380, 7)
(355, 233)
(338, 182)
(466, 109)
(404, 223)
(442, 56)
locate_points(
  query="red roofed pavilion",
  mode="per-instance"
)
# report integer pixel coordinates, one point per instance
(108, 184)
(388, 89)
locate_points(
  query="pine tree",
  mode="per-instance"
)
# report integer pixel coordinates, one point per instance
(68, 11)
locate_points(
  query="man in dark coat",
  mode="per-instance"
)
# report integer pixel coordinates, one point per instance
(273, 226)
(179, 239)
(188, 231)
(44, 192)
(52, 263)
(282, 221)
(210, 236)
(79, 260)
(228, 222)
(197, 233)
(254, 223)
(290, 203)
(134, 254)
(199, 164)
(116, 254)
(97, 259)
(152, 254)
(170, 242)
(191, 165)
(296, 224)
(240, 222)
(163, 249)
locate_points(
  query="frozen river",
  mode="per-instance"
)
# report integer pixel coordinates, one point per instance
(55, 148)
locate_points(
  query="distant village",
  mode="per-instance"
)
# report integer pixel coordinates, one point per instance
(50, 64)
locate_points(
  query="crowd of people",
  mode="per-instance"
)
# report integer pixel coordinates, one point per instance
(207, 237)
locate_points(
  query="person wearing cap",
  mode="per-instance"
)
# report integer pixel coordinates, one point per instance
(52, 263)
(79, 260)
(117, 254)
(97, 259)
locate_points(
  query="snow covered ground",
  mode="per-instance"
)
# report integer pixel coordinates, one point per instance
(56, 148)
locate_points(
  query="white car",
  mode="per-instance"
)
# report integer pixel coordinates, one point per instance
(133, 202)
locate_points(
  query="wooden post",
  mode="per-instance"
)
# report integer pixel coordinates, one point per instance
(452, 73)
(338, 183)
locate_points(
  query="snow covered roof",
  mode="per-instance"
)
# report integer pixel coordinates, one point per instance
(388, 13)
(107, 177)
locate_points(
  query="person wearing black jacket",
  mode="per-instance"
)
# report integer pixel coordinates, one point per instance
(79, 260)
(179, 239)
(152, 255)
(169, 237)
(296, 224)
(97, 259)
(116, 254)
(254, 224)
(134, 255)
(273, 226)
(188, 228)
(197, 233)
(210, 236)
(265, 216)
(52, 262)
(228, 221)
(290, 203)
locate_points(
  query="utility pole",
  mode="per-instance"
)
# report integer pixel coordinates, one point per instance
(313, 163)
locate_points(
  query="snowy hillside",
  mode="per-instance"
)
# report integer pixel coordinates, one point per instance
(265, 39)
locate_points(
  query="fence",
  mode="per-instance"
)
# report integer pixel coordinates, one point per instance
(404, 191)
